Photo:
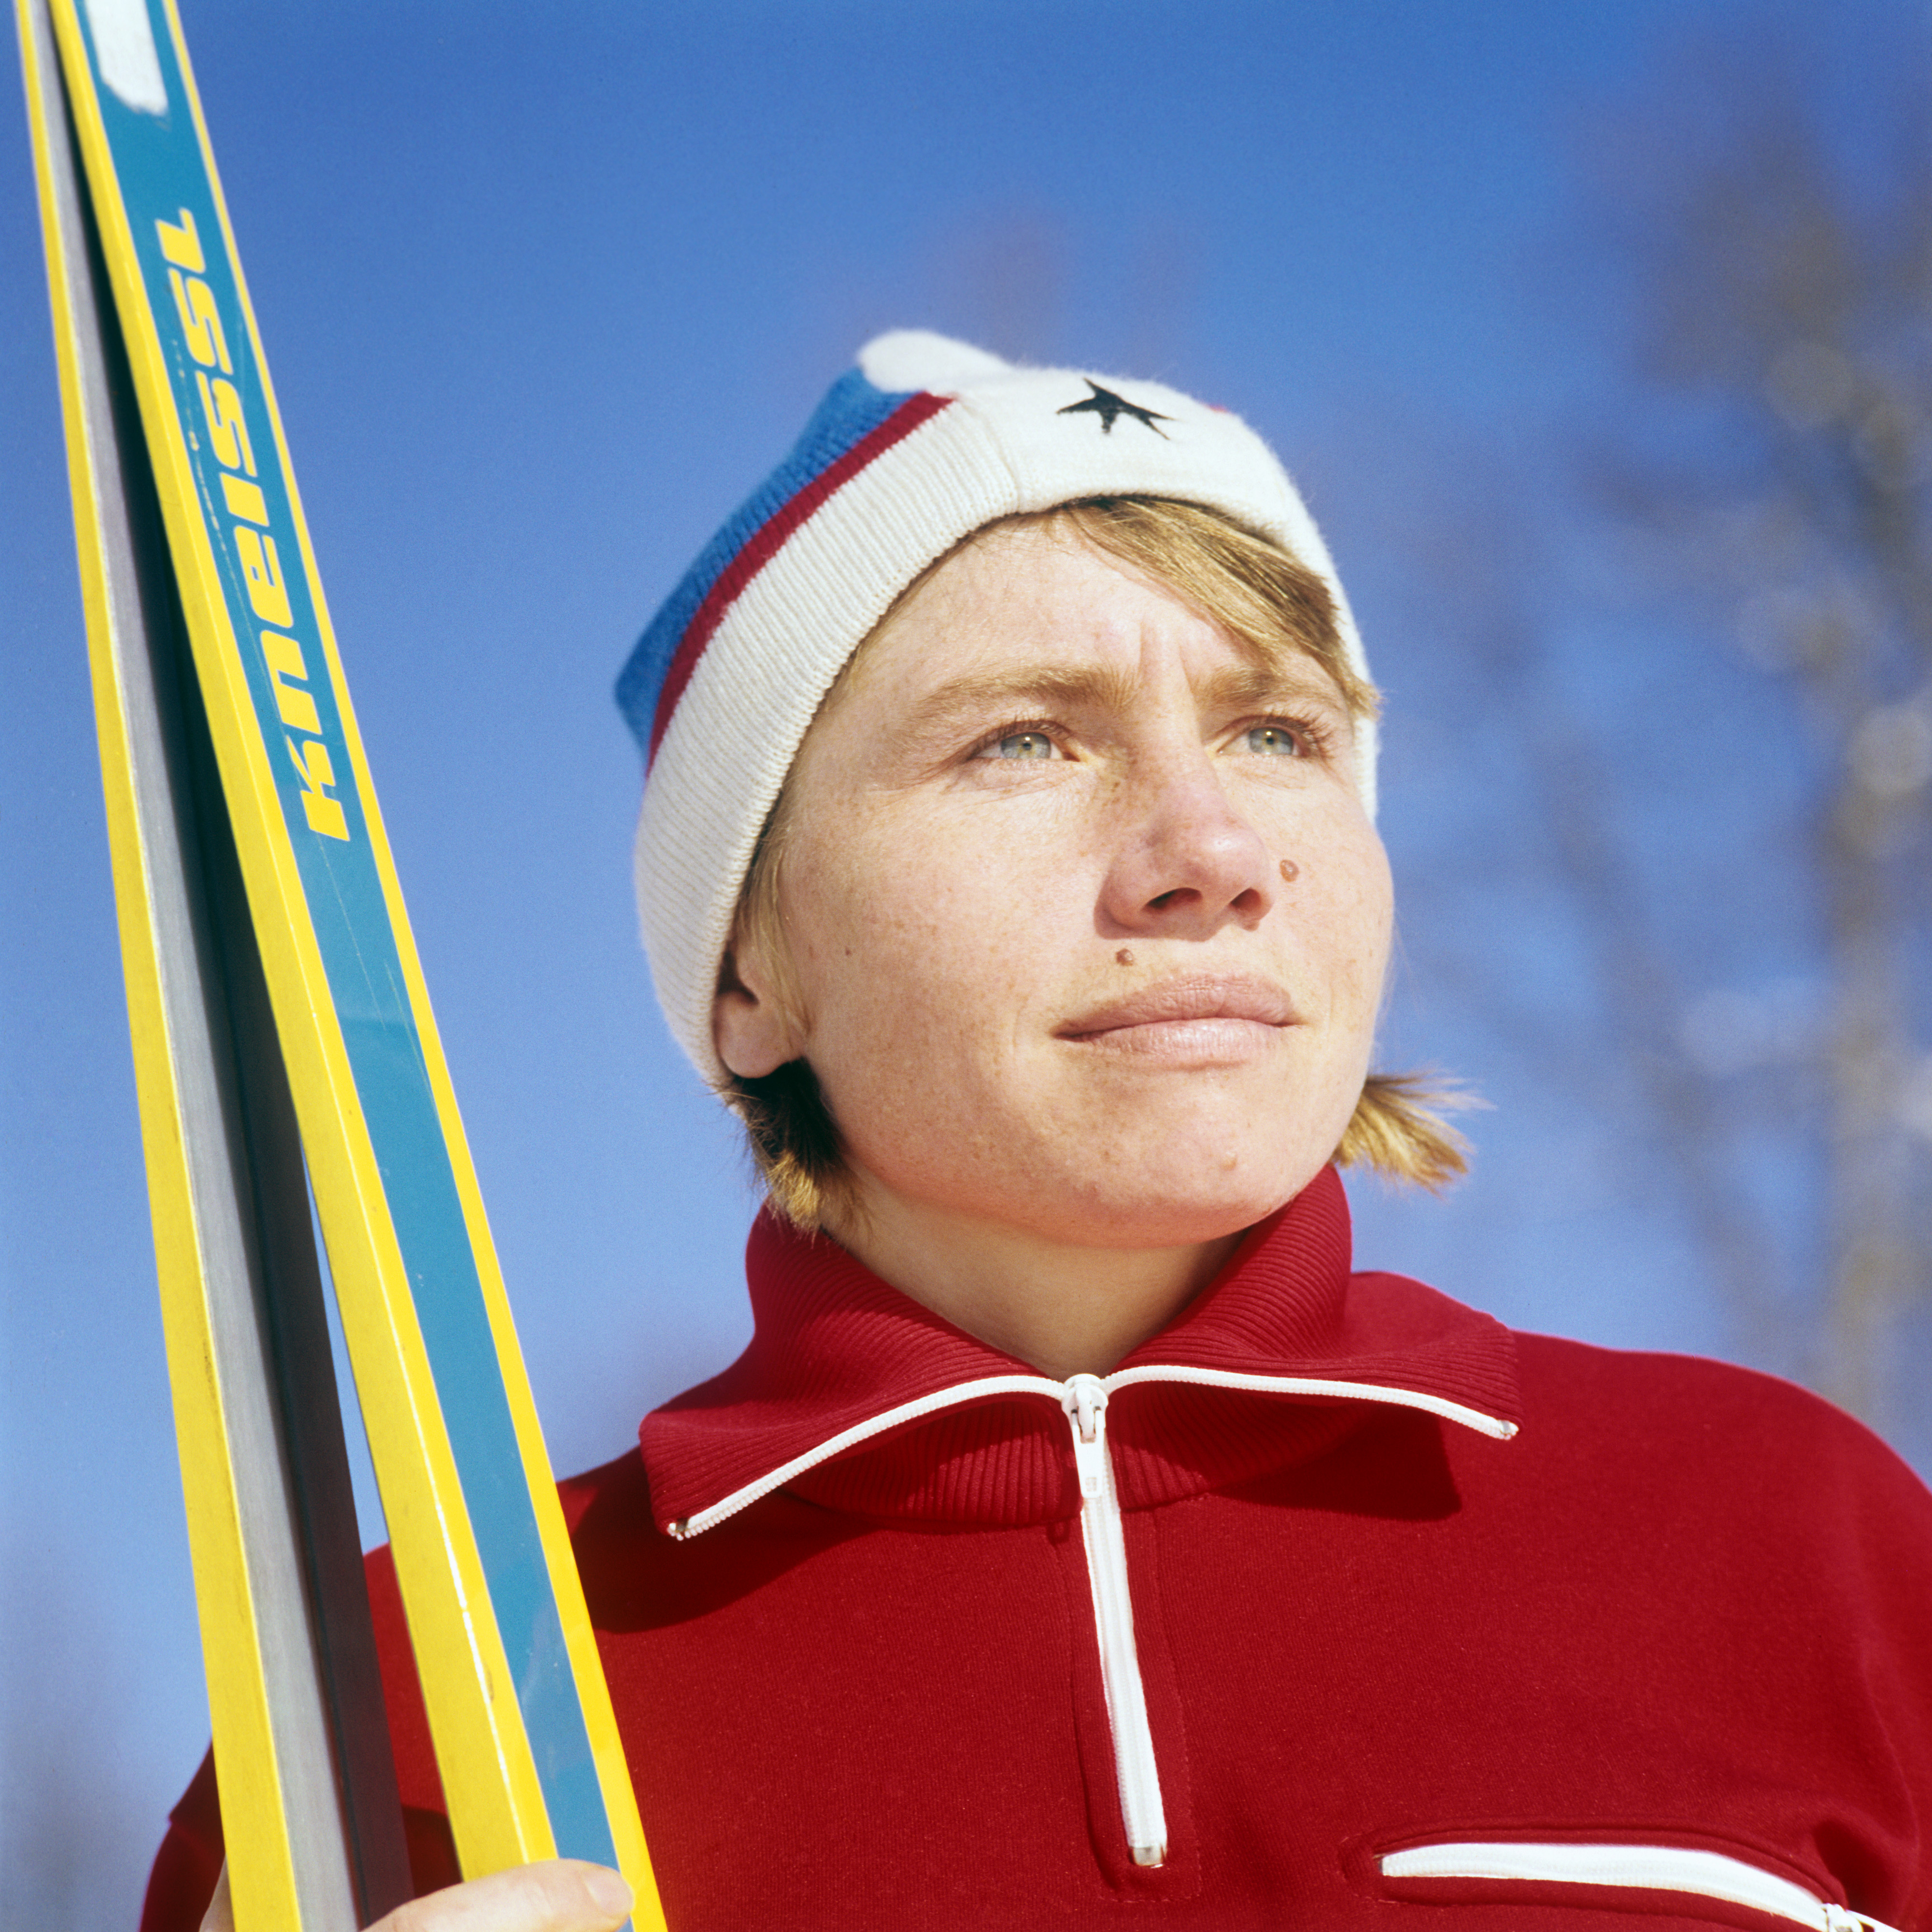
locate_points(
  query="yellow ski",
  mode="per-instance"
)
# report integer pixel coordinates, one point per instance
(259, 905)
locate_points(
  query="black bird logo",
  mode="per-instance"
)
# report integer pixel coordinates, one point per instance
(1110, 408)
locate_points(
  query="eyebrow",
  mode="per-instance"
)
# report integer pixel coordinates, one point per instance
(1108, 687)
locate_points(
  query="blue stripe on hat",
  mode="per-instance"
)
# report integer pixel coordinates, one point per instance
(852, 409)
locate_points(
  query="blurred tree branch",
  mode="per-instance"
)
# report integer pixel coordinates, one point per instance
(1786, 343)
(1691, 663)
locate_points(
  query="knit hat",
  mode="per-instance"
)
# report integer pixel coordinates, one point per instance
(923, 442)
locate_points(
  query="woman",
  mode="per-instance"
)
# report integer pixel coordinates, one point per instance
(1079, 1539)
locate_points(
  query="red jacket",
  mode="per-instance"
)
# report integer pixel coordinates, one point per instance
(1285, 1622)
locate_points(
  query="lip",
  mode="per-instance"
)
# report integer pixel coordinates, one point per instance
(1208, 1016)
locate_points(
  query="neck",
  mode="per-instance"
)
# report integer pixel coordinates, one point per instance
(1063, 1309)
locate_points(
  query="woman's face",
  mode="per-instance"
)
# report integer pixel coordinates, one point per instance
(1086, 924)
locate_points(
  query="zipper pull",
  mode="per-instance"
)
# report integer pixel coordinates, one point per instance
(1083, 1398)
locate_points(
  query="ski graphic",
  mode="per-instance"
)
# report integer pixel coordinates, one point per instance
(189, 526)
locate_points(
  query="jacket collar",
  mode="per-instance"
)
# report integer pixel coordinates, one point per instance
(853, 1396)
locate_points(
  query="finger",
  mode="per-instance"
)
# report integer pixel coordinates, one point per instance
(220, 1916)
(559, 1895)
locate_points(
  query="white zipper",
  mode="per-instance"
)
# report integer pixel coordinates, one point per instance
(1644, 1867)
(1084, 1399)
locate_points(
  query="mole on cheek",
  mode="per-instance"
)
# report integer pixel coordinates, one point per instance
(1123, 958)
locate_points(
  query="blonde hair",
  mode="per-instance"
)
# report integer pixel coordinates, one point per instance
(1265, 598)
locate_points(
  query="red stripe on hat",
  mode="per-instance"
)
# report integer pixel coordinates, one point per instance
(769, 539)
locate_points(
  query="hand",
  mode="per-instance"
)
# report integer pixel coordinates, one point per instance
(559, 1895)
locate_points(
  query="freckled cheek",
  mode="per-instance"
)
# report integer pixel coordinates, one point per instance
(1352, 923)
(901, 938)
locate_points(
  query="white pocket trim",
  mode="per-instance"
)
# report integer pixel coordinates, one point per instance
(1648, 1868)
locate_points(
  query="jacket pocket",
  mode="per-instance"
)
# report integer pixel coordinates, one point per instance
(1623, 1875)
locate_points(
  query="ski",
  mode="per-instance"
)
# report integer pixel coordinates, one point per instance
(274, 989)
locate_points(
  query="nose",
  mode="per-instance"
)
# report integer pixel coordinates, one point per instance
(1187, 862)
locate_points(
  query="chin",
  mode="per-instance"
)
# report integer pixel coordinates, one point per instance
(1204, 1175)
(1122, 1177)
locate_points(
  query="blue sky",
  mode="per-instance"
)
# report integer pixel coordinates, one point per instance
(543, 292)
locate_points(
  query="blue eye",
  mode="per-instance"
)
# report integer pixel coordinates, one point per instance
(1273, 741)
(1024, 745)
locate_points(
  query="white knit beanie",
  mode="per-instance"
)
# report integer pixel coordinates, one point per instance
(923, 442)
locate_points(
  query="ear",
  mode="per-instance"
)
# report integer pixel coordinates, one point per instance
(749, 1026)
